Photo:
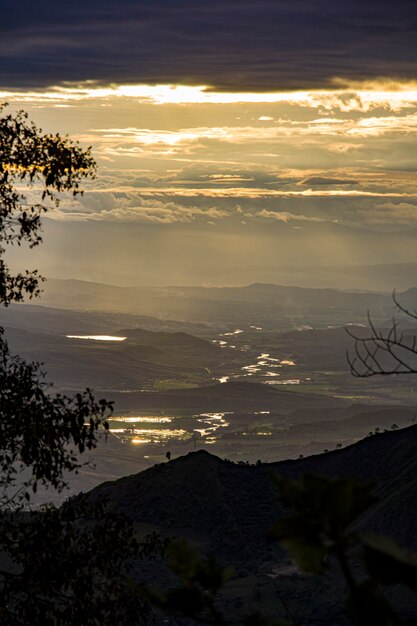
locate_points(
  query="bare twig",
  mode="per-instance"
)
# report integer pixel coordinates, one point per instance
(384, 352)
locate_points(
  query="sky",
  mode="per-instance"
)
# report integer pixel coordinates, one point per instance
(232, 139)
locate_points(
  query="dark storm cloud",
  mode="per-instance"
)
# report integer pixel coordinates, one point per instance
(257, 44)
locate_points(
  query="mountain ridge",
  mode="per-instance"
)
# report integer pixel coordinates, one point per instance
(229, 507)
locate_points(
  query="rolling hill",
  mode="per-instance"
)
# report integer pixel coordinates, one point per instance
(229, 396)
(139, 361)
(230, 505)
(227, 509)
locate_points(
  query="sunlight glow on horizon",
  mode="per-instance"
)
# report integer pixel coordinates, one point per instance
(345, 95)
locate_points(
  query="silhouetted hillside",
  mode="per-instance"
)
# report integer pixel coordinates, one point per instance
(59, 321)
(229, 507)
(180, 340)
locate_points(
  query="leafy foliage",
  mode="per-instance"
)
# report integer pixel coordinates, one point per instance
(200, 579)
(388, 563)
(40, 431)
(68, 566)
(48, 165)
(37, 428)
(195, 594)
(322, 531)
(65, 567)
(324, 510)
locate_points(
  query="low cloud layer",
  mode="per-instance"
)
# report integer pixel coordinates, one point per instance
(287, 160)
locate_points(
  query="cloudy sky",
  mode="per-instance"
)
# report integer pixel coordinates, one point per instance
(232, 138)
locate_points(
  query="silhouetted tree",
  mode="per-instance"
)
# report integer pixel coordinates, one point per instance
(321, 532)
(383, 352)
(37, 427)
(48, 165)
(65, 566)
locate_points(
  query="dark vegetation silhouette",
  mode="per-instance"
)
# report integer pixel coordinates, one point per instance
(57, 566)
(48, 165)
(70, 566)
(322, 533)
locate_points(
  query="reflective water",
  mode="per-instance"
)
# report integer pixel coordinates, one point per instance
(146, 429)
(265, 367)
(155, 419)
(234, 332)
(212, 421)
(97, 337)
(292, 381)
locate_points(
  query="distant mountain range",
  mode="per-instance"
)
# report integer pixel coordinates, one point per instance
(380, 277)
(254, 303)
